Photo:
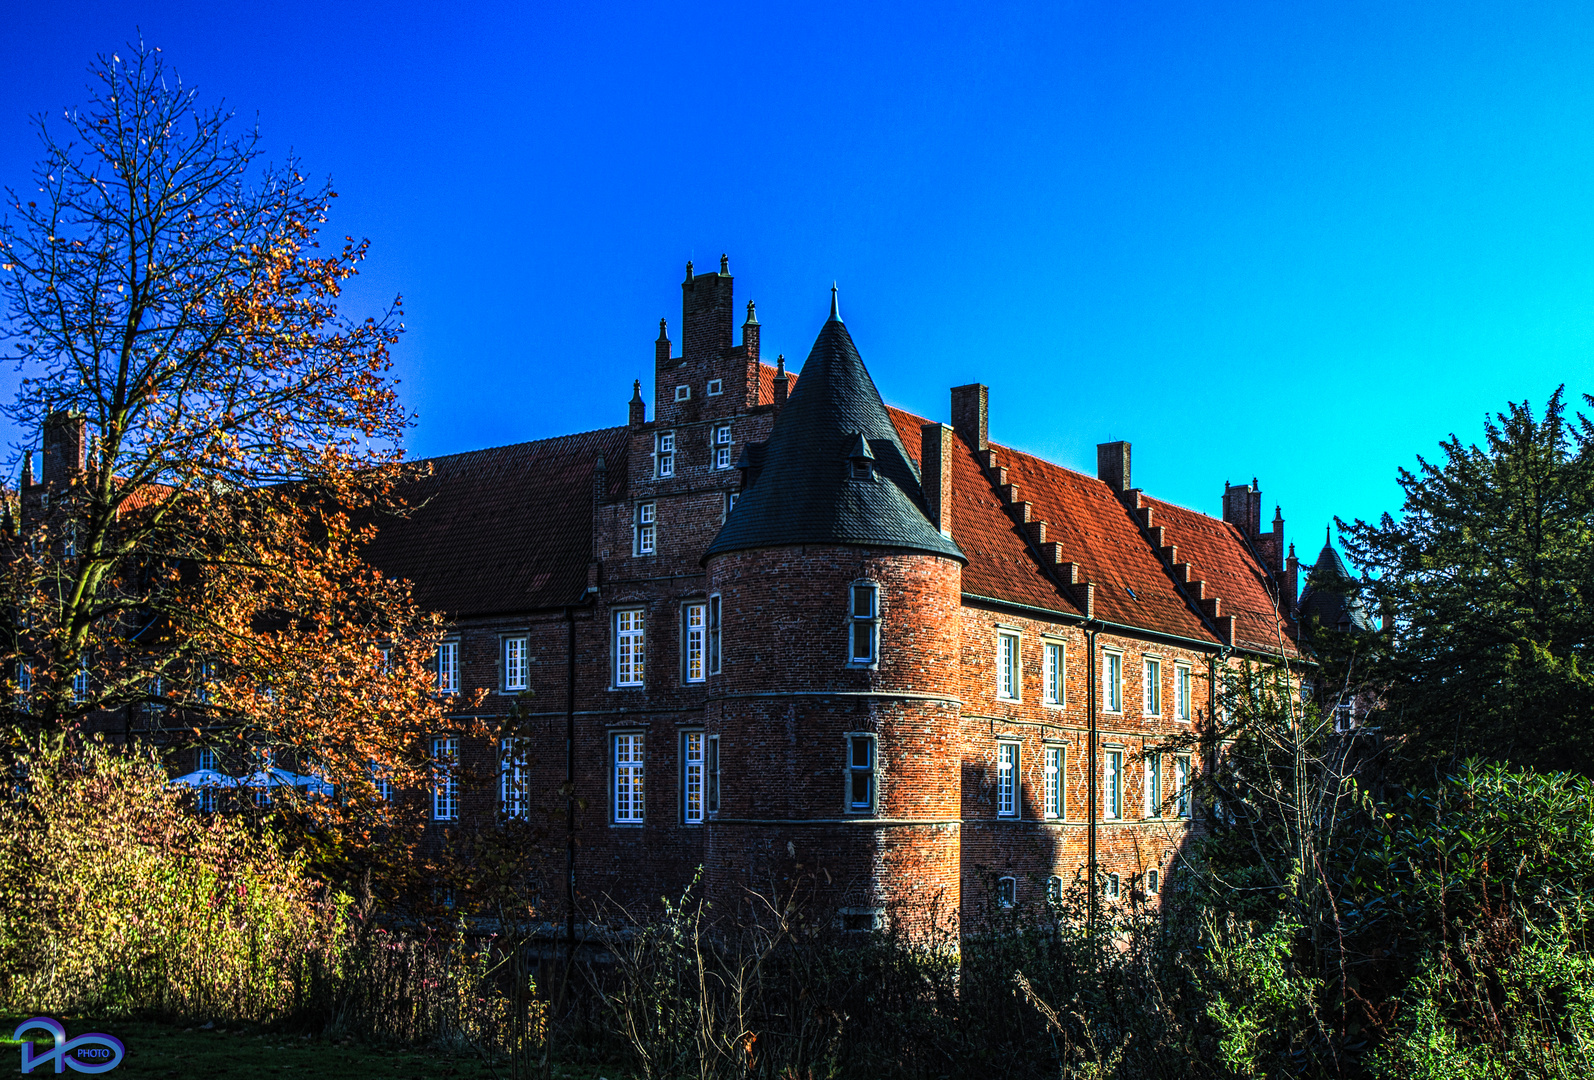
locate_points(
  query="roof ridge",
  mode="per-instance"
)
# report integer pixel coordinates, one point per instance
(518, 445)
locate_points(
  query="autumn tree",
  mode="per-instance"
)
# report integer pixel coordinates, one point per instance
(171, 308)
(1487, 576)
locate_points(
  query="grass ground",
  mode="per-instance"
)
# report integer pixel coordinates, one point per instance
(163, 1052)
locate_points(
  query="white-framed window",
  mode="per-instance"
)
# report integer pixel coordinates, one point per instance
(1007, 673)
(1054, 889)
(1151, 699)
(683, 393)
(693, 779)
(80, 679)
(1181, 692)
(860, 773)
(1153, 883)
(516, 663)
(647, 528)
(714, 634)
(694, 642)
(1110, 887)
(630, 646)
(448, 667)
(1007, 779)
(716, 387)
(1053, 673)
(1052, 777)
(206, 673)
(722, 447)
(1181, 785)
(1153, 785)
(1006, 891)
(1343, 717)
(863, 609)
(711, 774)
(1112, 784)
(512, 800)
(629, 768)
(664, 449)
(445, 778)
(205, 759)
(730, 501)
(1112, 681)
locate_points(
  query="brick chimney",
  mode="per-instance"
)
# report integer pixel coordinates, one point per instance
(1242, 508)
(1112, 465)
(639, 408)
(935, 472)
(750, 334)
(661, 348)
(66, 444)
(971, 413)
(706, 314)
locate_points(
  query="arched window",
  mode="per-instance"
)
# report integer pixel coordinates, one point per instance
(1006, 891)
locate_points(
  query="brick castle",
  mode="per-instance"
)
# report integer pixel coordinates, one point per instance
(782, 631)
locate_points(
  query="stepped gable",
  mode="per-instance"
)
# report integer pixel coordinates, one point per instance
(804, 493)
(1333, 596)
(1091, 527)
(1000, 565)
(502, 530)
(1218, 554)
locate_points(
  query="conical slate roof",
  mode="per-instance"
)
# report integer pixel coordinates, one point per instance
(804, 492)
(1332, 596)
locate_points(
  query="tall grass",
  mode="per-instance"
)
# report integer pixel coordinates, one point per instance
(120, 901)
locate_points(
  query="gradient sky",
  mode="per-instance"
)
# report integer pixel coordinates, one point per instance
(1302, 242)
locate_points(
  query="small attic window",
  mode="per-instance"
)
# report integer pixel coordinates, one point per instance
(683, 393)
(715, 388)
(862, 468)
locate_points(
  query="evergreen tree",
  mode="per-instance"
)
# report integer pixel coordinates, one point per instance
(1488, 574)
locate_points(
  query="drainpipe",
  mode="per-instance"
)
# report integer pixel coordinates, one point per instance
(1090, 842)
(570, 795)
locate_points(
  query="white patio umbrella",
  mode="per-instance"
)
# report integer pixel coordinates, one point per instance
(204, 778)
(270, 778)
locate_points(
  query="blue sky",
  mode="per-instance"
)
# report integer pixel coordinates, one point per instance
(1300, 242)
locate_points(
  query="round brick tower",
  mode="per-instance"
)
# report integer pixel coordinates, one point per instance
(834, 717)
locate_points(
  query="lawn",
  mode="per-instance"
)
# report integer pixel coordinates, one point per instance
(163, 1051)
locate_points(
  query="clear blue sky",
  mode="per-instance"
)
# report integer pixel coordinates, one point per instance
(1301, 241)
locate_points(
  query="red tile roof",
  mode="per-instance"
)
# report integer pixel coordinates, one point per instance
(1218, 554)
(502, 530)
(1094, 528)
(766, 384)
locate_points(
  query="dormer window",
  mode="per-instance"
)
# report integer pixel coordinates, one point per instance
(860, 459)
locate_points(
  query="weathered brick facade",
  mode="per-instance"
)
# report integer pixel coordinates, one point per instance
(596, 549)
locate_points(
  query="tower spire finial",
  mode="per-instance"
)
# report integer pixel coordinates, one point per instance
(1327, 532)
(835, 307)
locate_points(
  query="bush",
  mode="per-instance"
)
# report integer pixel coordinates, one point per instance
(118, 900)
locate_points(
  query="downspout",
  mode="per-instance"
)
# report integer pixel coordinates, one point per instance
(1090, 841)
(570, 792)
